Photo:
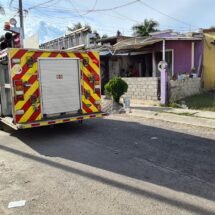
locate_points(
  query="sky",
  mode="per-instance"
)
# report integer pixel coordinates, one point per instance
(50, 18)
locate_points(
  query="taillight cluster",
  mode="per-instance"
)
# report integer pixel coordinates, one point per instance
(19, 90)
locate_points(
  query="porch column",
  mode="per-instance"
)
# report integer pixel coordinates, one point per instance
(192, 55)
(154, 66)
(164, 51)
(162, 67)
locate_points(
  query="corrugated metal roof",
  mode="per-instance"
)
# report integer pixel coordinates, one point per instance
(141, 42)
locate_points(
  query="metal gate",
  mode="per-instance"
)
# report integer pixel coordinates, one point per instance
(60, 85)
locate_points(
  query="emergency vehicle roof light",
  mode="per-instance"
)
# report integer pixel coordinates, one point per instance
(6, 26)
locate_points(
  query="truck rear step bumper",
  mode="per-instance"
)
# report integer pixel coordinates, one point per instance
(8, 121)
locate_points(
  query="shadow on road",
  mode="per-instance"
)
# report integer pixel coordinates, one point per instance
(174, 160)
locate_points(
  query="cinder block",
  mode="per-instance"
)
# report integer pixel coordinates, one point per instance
(154, 98)
(148, 97)
(143, 90)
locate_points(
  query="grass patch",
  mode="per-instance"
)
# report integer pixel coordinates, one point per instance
(204, 101)
(173, 105)
(185, 114)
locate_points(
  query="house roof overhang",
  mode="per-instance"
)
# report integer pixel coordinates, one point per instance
(135, 44)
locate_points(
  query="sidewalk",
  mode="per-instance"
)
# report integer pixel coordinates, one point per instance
(175, 115)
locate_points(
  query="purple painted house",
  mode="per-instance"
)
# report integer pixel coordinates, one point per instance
(139, 57)
(184, 52)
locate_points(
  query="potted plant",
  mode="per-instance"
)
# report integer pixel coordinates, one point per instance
(193, 72)
(116, 87)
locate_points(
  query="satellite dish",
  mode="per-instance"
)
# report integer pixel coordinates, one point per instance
(13, 21)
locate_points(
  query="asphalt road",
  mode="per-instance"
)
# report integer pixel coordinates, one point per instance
(118, 165)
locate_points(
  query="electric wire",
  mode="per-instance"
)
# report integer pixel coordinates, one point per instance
(10, 3)
(77, 11)
(37, 5)
(83, 14)
(120, 17)
(88, 11)
(164, 14)
(113, 9)
(93, 8)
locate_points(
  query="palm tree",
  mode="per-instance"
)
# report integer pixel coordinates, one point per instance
(145, 28)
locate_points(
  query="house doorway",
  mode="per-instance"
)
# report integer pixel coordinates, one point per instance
(147, 67)
(104, 69)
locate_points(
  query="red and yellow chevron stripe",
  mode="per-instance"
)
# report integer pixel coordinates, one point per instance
(29, 74)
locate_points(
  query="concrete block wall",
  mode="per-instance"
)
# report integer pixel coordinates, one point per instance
(180, 89)
(142, 88)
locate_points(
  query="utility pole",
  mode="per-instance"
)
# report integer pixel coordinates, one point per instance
(21, 19)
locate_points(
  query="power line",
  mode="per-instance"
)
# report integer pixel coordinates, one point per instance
(116, 7)
(164, 14)
(88, 11)
(78, 12)
(104, 28)
(54, 3)
(60, 21)
(100, 11)
(137, 21)
(11, 2)
(113, 10)
(38, 5)
(93, 8)
(126, 17)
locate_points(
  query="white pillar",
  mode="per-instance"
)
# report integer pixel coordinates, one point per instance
(154, 66)
(192, 55)
(164, 50)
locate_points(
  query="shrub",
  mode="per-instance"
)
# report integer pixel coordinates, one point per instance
(116, 87)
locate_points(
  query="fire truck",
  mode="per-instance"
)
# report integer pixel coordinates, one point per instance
(46, 87)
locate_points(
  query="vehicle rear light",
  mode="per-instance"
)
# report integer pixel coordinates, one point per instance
(16, 60)
(6, 26)
(19, 90)
(97, 87)
(87, 94)
(91, 79)
(19, 87)
(97, 102)
(19, 112)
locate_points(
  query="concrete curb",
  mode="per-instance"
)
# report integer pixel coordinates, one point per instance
(174, 118)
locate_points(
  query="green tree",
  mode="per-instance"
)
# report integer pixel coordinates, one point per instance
(89, 28)
(145, 28)
(78, 26)
(97, 35)
(104, 36)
